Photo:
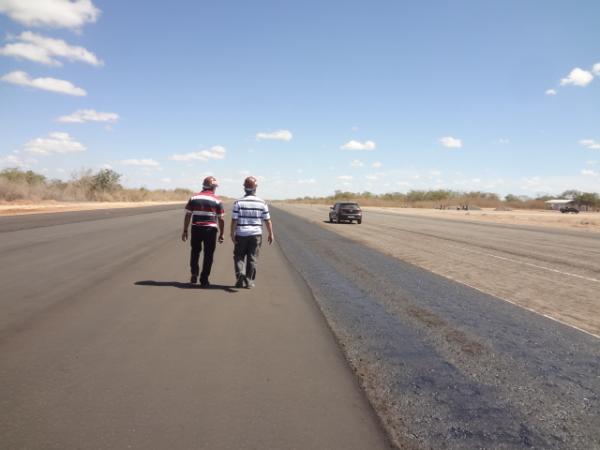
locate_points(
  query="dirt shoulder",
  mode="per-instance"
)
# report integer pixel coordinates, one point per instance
(15, 209)
(583, 221)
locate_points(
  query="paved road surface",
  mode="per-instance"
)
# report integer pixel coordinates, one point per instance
(552, 271)
(103, 346)
(447, 365)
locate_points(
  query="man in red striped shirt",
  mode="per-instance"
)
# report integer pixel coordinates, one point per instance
(205, 212)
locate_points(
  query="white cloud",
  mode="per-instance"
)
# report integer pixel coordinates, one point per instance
(535, 184)
(45, 50)
(355, 145)
(590, 143)
(589, 173)
(55, 143)
(166, 180)
(307, 181)
(89, 115)
(52, 13)
(577, 77)
(376, 165)
(15, 159)
(503, 141)
(372, 177)
(215, 152)
(279, 135)
(357, 163)
(140, 162)
(596, 69)
(551, 92)
(591, 163)
(355, 129)
(48, 84)
(344, 178)
(450, 142)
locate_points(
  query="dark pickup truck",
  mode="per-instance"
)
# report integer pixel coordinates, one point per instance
(345, 212)
(569, 209)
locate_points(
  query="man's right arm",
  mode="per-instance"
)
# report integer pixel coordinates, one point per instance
(186, 224)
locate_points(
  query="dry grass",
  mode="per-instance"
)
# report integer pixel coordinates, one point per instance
(19, 186)
(454, 203)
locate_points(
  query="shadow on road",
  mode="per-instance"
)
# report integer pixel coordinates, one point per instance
(339, 223)
(180, 285)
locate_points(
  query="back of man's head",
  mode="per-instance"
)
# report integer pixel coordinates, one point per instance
(250, 185)
(209, 183)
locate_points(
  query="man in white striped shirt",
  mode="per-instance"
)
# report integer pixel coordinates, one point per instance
(247, 219)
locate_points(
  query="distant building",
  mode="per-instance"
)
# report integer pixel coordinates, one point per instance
(557, 203)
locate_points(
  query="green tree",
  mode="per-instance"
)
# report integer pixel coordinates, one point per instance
(571, 193)
(106, 180)
(511, 198)
(16, 175)
(588, 199)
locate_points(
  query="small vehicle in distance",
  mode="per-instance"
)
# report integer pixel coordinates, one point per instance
(346, 212)
(569, 209)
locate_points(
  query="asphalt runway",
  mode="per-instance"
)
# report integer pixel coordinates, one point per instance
(103, 345)
(448, 366)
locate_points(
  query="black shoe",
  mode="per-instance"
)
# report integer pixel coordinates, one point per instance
(204, 284)
(250, 284)
(240, 281)
(194, 279)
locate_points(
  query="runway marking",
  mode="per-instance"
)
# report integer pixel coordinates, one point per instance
(464, 248)
(550, 269)
(519, 305)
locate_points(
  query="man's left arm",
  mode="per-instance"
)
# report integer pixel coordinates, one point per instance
(221, 229)
(269, 226)
(266, 217)
(221, 221)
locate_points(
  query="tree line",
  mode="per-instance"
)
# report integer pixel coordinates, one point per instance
(449, 199)
(85, 185)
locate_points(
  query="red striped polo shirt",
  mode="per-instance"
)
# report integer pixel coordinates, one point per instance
(205, 207)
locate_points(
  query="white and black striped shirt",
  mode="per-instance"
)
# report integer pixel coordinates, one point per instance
(250, 211)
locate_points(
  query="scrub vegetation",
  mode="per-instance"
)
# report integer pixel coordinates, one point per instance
(86, 185)
(447, 199)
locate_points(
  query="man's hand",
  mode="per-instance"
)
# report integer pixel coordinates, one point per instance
(270, 239)
(233, 237)
(220, 239)
(184, 235)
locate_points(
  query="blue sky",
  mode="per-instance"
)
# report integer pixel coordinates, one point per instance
(310, 96)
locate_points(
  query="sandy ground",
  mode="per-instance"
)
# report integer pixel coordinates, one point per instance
(555, 219)
(14, 209)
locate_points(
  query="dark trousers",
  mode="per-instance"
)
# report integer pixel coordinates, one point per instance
(245, 255)
(206, 236)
